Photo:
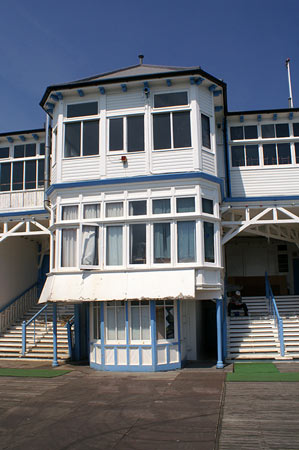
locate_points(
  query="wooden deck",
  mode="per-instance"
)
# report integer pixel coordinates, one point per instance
(261, 416)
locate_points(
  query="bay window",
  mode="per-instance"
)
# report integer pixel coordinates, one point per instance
(161, 242)
(116, 321)
(165, 320)
(89, 243)
(114, 245)
(126, 133)
(81, 138)
(186, 241)
(172, 130)
(69, 247)
(209, 252)
(140, 320)
(161, 206)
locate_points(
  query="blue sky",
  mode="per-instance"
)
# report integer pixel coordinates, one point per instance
(245, 43)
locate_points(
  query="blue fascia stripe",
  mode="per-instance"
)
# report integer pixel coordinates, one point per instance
(260, 199)
(25, 213)
(138, 179)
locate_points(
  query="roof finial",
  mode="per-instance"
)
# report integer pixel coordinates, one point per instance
(140, 59)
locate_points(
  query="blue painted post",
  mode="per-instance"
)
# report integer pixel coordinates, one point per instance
(153, 333)
(219, 364)
(77, 333)
(54, 363)
(224, 327)
(179, 329)
(23, 337)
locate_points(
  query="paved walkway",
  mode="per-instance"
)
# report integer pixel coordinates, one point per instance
(94, 410)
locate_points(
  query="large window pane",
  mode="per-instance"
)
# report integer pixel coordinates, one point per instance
(250, 132)
(135, 127)
(91, 138)
(72, 140)
(165, 320)
(82, 109)
(42, 148)
(90, 242)
(268, 131)
(4, 152)
(116, 134)
(205, 131)
(162, 136)
(181, 129)
(209, 241)
(30, 150)
(5, 171)
(161, 206)
(162, 242)
(252, 155)
(135, 321)
(114, 246)
(296, 129)
(284, 153)
(69, 248)
(207, 206)
(186, 241)
(269, 154)
(114, 209)
(140, 320)
(137, 208)
(170, 99)
(30, 174)
(185, 204)
(238, 159)
(138, 244)
(17, 179)
(297, 152)
(91, 211)
(120, 320)
(19, 151)
(145, 320)
(236, 133)
(111, 321)
(70, 212)
(282, 130)
(41, 172)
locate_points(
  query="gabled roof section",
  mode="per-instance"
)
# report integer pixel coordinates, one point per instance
(133, 73)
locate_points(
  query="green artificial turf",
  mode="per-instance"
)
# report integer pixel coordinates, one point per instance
(259, 372)
(35, 373)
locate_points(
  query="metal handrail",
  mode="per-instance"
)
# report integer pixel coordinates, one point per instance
(273, 310)
(17, 306)
(26, 324)
(68, 326)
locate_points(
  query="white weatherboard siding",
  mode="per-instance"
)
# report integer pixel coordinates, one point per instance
(172, 161)
(265, 181)
(54, 174)
(119, 286)
(18, 267)
(206, 101)
(208, 162)
(74, 169)
(135, 165)
(125, 100)
(21, 200)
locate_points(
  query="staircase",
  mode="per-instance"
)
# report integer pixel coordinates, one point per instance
(256, 337)
(42, 348)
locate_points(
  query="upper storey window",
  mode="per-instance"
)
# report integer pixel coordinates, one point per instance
(81, 138)
(205, 131)
(126, 133)
(277, 130)
(4, 152)
(246, 132)
(82, 109)
(171, 129)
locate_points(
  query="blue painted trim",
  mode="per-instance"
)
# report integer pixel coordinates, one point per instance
(77, 333)
(17, 298)
(127, 331)
(59, 95)
(179, 327)
(50, 105)
(217, 93)
(169, 82)
(241, 119)
(87, 310)
(54, 97)
(219, 364)
(218, 108)
(80, 92)
(146, 84)
(138, 179)
(102, 334)
(55, 362)
(25, 213)
(260, 199)
(102, 90)
(35, 136)
(23, 139)
(291, 115)
(10, 139)
(212, 87)
(124, 87)
(153, 331)
(23, 337)
(274, 116)
(259, 117)
(224, 324)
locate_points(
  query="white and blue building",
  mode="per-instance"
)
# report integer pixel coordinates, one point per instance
(155, 195)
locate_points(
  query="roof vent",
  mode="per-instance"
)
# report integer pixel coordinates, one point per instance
(140, 59)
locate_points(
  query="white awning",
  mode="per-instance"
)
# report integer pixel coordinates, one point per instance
(141, 285)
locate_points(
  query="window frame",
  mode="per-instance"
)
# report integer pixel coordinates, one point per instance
(106, 306)
(98, 245)
(139, 341)
(124, 118)
(175, 327)
(81, 121)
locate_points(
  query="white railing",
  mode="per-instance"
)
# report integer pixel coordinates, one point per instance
(21, 199)
(17, 307)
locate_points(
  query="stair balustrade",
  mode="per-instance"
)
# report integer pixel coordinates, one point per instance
(32, 321)
(275, 314)
(15, 309)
